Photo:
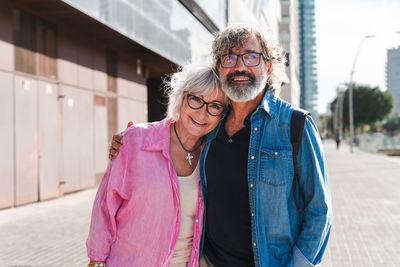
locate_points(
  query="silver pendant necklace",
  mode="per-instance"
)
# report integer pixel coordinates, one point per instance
(188, 156)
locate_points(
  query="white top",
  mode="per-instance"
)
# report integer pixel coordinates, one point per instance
(188, 190)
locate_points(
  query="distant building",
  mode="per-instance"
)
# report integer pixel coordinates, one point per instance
(289, 38)
(74, 72)
(393, 76)
(259, 13)
(308, 58)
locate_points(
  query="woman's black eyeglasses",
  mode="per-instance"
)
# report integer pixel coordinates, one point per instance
(213, 108)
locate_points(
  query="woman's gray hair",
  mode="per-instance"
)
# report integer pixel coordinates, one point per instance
(236, 36)
(192, 78)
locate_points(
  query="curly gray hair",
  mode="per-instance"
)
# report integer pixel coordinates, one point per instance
(236, 36)
(192, 78)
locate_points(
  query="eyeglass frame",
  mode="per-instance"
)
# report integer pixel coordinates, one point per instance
(204, 103)
(241, 55)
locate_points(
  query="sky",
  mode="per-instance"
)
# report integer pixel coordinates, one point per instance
(340, 27)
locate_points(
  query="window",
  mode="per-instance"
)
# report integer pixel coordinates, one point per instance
(25, 42)
(47, 49)
(35, 45)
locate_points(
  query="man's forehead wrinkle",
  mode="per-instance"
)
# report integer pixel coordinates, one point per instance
(236, 47)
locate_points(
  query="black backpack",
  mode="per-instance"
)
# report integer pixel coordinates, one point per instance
(297, 122)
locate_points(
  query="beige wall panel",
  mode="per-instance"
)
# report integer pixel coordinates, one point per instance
(99, 70)
(85, 77)
(130, 110)
(67, 60)
(86, 136)
(48, 141)
(77, 116)
(26, 140)
(101, 138)
(132, 89)
(128, 81)
(6, 37)
(6, 141)
(85, 65)
(7, 55)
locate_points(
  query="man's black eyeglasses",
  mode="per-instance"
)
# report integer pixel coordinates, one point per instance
(213, 108)
(251, 59)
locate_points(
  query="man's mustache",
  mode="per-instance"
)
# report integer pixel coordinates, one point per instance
(241, 73)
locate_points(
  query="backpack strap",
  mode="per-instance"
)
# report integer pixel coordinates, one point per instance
(297, 123)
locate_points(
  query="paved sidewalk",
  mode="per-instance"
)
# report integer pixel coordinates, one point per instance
(366, 206)
(366, 230)
(48, 233)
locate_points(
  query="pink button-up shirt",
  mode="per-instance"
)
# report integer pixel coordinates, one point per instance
(136, 213)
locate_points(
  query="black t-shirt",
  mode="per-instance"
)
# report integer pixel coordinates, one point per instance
(228, 221)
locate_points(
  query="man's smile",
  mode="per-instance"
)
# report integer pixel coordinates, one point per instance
(240, 77)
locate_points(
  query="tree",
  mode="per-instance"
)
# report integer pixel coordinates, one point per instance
(392, 124)
(370, 105)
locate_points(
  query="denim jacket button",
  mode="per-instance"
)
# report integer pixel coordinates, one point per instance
(252, 157)
(252, 214)
(255, 129)
(254, 244)
(251, 185)
(276, 153)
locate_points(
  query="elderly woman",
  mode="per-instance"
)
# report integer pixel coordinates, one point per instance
(148, 209)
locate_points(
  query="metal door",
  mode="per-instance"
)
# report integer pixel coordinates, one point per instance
(48, 141)
(26, 140)
(77, 139)
(6, 141)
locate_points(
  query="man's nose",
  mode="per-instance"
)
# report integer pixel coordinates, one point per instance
(240, 63)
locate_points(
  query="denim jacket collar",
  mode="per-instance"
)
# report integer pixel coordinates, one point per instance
(268, 103)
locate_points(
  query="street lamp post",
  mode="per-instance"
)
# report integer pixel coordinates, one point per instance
(351, 86)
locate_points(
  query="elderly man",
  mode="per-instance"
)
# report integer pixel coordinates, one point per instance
(246, 166)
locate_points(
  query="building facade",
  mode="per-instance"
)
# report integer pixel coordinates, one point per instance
(393, 76)
(75, 72)
(308, 58)
(289, 38)
(264, 14)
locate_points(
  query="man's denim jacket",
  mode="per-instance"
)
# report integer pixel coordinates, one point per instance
(281, 235)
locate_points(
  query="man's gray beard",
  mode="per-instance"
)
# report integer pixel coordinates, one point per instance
(240, 93)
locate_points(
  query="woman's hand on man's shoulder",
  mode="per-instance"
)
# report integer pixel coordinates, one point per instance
(116, 143)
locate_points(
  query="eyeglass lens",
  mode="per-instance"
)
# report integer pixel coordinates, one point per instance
(249, 59)
(212, 108)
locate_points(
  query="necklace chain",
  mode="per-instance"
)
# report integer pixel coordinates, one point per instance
(180, 142)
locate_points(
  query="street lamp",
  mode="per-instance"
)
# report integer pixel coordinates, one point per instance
(351, 85)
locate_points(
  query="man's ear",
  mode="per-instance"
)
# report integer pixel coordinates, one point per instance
(269, 67)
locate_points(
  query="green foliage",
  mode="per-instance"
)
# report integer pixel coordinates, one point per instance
(392, 124)
(369, 105)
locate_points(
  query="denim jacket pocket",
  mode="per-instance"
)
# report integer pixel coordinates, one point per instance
(276, 166)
